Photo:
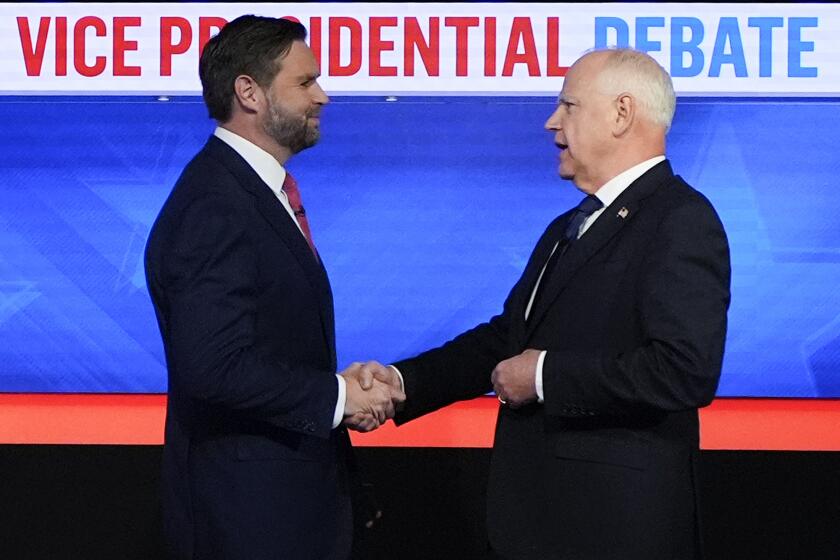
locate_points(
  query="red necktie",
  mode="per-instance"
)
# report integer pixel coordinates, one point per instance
(293, 194)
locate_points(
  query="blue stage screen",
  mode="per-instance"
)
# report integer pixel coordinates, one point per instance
(424, 211)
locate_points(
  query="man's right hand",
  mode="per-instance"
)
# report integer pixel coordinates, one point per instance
(372, 371)
(373, 391)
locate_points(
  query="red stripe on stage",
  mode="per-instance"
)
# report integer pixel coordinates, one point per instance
(82, 419)
(737, 424)
(771, 424)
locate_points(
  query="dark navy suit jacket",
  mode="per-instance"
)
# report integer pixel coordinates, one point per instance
(634, 322)
(251, 468)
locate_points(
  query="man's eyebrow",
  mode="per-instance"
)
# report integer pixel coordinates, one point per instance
(309, 76)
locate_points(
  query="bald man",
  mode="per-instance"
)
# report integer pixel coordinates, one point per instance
(607, 345)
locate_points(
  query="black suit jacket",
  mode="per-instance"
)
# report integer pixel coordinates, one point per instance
(634, 322)
(252, 468)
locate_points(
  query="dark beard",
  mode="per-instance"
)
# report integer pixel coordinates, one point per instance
(288, 130)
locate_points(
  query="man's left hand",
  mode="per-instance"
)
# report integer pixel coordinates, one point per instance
(514, 379)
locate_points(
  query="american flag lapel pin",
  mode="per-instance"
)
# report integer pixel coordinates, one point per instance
(623, 213)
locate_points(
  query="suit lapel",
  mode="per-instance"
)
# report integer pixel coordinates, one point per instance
(274, 213)
(614, 218)
(272, 210)
(522, 295)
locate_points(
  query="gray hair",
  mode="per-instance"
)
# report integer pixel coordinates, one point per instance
(637, 73)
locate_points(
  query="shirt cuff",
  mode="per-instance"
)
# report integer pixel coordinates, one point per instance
(338, 415)
(399, 374)
(538, 382)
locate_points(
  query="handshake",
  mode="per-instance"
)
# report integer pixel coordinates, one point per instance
(373, 393)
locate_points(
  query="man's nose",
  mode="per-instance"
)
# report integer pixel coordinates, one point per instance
(321, 97)
(554, 122)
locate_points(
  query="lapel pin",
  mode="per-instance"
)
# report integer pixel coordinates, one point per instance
(623, 213)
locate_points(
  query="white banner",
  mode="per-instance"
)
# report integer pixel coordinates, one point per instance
(428, 49)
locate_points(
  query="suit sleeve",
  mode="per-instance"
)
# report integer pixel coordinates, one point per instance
(461, 368)
(458, 370)
(683, 296)
(210, 286)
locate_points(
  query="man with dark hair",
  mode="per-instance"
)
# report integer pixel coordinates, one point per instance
(256, 450)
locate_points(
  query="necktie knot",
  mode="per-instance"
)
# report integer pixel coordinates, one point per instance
(586, 208)
(590, 204)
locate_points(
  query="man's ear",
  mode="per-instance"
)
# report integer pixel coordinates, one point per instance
(247, 93)
(625, 113)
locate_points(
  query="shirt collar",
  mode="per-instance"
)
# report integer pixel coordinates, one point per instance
(618, 184)
(269, 169)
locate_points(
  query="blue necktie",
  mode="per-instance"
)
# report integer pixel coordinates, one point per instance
(586, 208)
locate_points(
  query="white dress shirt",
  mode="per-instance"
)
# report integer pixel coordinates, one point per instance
(607, 194)
(273, 174)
